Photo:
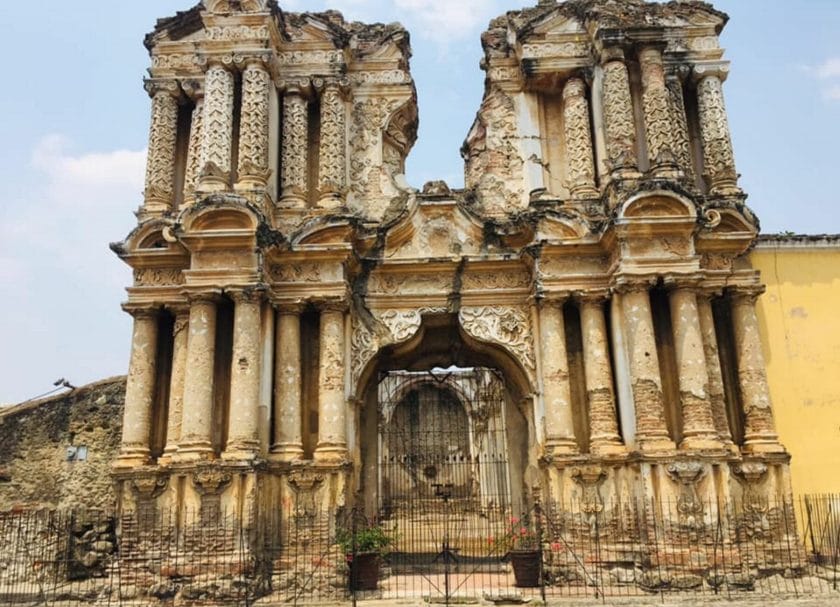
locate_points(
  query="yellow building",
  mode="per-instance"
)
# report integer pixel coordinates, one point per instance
(800, 324)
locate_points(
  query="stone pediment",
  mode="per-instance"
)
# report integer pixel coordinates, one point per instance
(436, 229)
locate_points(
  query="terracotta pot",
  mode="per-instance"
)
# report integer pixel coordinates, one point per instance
(526, 567)
(364, 571)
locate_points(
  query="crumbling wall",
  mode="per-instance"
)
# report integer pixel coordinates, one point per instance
(36, 469)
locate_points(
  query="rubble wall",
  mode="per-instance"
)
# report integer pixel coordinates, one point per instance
(35, 470)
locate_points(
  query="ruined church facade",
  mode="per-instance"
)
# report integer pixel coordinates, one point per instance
(576, 325)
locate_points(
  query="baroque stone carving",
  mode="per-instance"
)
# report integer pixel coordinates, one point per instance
(380, 77)
(482, 281)
(218, 119)
(493, 159)
(590, 479)
(237, 32)
(689, 504)
(655, 102)
(254, 130)
(296, 272)
(293, 173)
(718, 158)
(507, 326)
(578, 134)
(163, 133)
(332, 165)
(305, 484)
(555, 49)
(193, 169)
(680, 145)
(210, 480)
(369, 119)
(291, 58)
(157, 277)
(618, 116)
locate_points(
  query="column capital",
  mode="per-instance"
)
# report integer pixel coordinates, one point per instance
(611, 52)
(677, 71)
(332, 305)
(574, 87)
(156, 86)
(301, 87)
(342, 85)
(554, 299)
(598, 296)
(633, 284)
(289, 308)
(719, 70)
(691, 282)
(746, 293)
(178, 308)
(193, 88)
(203, 296)
(249, 294)
(651, 52)
(141, 311)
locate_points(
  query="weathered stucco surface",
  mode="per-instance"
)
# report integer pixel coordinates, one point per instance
(35, 438)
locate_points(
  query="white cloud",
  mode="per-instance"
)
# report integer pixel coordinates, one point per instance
(832, 93)
(830, 68)
(62, 314)
(445, 20)
(828, 72)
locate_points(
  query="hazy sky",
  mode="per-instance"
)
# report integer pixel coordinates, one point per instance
(74, 122)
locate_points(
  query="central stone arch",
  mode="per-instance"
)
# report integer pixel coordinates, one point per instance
(442, 371)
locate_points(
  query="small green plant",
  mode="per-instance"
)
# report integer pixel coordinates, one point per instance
(365, 539)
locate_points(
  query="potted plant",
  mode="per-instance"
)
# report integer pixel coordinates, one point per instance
(364, 546)
(521, 544)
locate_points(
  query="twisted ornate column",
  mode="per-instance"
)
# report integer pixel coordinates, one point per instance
(645, 379)
(759, 426)
(559, 421)
(680, 141)
(243, 429)
(139, 390)
(288, 416)
(176, 383)
(578, 133)
(717, 393)
(197, 421)
(619, 121)
(333, 148)
(600, 396)
(217, 129)
(718, 158)
(657, 111)
(295, 145)
(193, 167)
(253, 170)
(163, 135)
(332, 407)
(698, 425)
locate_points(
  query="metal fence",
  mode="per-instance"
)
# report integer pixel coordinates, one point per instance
(446, 552)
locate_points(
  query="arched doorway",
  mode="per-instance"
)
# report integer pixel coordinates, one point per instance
(443, 434)
(443, 408)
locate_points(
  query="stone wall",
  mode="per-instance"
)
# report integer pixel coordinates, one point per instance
(35, 467)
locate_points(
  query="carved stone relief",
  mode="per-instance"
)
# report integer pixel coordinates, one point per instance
(507, 326)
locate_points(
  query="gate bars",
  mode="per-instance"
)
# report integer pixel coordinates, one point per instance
(633, 548)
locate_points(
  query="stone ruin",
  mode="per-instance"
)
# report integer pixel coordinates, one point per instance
(595, 261)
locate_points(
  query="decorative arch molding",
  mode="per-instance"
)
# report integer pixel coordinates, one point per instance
(492, 336)
(152, 235)
(220, 214)
(657, 205)
(320, 232)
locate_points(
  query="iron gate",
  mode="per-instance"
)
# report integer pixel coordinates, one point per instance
(444, 482)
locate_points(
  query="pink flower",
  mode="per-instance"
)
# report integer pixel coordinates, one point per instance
(556, 547)
(490, 540)
(513, 520)
(523, 531)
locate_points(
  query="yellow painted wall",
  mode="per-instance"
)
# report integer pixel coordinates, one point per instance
(800, 323)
